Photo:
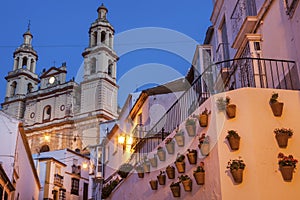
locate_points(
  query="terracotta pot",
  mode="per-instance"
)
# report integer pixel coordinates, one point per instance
(161, 154)
(153, 184)
(170, 147)
(230, 110)
(277, 108)
(170, 173)
(234, 143)
(180, 167)
(203, 120)
(237, 175)
(179, 140)
(287, 172)
(140, 173)
(191, 130)
(199, 177)
(153, 161)
(187, 185)
(282, 140)
(161, 179)
(204, 149)
(175, 191)
(146, 167)
(192, 157)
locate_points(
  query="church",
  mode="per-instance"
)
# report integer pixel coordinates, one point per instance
(59, 113)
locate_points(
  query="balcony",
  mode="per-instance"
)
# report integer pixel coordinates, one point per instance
(76, 170)
(243, 20)
(58, 180)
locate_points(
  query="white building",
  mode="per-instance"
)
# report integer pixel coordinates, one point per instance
(18, 177)
(65, 112)
(64, 175)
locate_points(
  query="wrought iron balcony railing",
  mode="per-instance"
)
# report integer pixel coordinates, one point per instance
(58, 180)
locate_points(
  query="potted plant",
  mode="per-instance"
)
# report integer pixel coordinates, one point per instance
(179, 137)
(199, 174)
(146, 165)
(282, 135)
(170, 170)
(203, 118)
(192, 156)
(236, 168)
(153, 161)
(276, 106)
(204, 145)
(161, 178)
(287, 165)
(233, 139)
(153, 184)
(161, 154)
(179, 163)
(186, 182)
(170, 146)
(224, 104)
(108, 188)
(175, 188)
(140, 171)
(124, 170)
(190, 126)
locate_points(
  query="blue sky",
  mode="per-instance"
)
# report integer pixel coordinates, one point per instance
(60, 30)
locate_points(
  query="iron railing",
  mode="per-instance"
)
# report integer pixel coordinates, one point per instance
(219, 77)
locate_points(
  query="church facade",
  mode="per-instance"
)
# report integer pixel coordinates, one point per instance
(57, 113)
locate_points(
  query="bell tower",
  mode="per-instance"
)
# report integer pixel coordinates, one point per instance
(99, 88)
(22, 80)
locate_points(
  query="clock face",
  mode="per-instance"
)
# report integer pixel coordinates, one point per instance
(51, 79)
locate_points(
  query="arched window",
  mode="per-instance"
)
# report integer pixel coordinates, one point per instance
(93, 66)
(110, 68)
(29, 88)
(47, 113)
(44, 148)
(95, 39)
(13, 88)
(31, 65)
(103, 35)
(24, 62)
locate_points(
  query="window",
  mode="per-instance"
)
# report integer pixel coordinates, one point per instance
(93, 66)
(109, 68)
(103, 37)
(62, 194)
(24, 62)
(47, 114)
(13, 88)
(29, 88)
(44, 148)
(75, 186)
(5, 196)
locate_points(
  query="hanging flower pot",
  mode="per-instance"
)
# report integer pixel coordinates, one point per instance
(204, 145)
(161, 154)
(179, 137)
(175, 188)
(231, 110)
(236, 168)
(187, 185)
(153, 161)
(276, 106)
(146, 166)
(190, 126)
(233, 139)
(180, 164)
(161, 178)
(140, 171)
(170, 146)
(282, 136)
(203, 118)
(170, 170)
(192, 156)
(153, 184)
(124, 170)
(287, 165)
(199, 174)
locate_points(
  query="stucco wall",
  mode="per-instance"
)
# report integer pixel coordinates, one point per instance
(258, 148)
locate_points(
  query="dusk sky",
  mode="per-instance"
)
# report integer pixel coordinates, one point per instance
(60, 31)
